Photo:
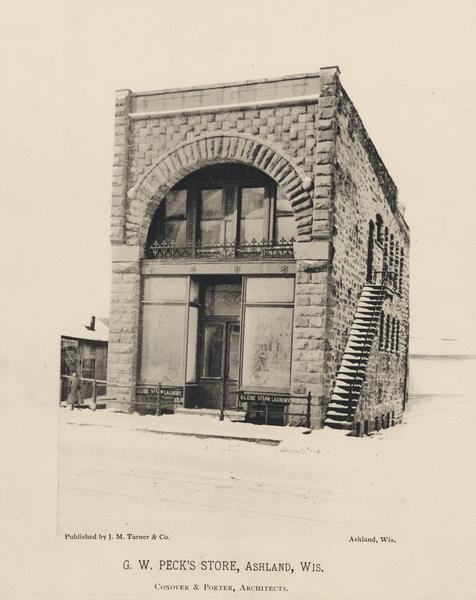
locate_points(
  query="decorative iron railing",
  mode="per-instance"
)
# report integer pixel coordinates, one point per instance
(249, 250)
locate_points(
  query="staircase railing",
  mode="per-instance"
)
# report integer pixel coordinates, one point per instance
(385, 274)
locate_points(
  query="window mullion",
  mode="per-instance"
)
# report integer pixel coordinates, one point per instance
(237, 193)
(271, 194)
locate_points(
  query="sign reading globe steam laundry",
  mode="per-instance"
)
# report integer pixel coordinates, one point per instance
(246, 397)
(166, 393)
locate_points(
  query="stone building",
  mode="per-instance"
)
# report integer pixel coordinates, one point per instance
(259, 254)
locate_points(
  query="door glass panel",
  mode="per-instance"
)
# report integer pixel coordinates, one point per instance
(252, 214)
(233, 352)
(192, 344)
(212, 350)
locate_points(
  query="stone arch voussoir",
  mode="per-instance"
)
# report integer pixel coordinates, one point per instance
(208, 149)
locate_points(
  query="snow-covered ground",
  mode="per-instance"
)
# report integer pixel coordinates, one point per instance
(322, 482)
(414, 482)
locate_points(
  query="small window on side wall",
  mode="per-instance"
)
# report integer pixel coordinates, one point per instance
(379, 225)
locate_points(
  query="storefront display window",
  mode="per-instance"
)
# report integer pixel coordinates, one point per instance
(163, 329)
(268, 328)
(164, 315)
(267, 347)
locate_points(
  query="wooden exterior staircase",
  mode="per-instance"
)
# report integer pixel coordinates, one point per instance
(352, 371)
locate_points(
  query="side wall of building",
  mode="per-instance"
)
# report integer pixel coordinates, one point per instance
(363, 189)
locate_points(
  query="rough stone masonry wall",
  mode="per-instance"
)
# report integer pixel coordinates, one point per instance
(141, 142)
(362, 189)
(312, 326)
(125, 278)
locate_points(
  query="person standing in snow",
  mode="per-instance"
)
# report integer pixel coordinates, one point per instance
(74, 397)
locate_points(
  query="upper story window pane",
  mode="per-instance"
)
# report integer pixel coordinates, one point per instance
(176, 204)
(211, 217)
(217, 216)
(212, 204)
(176, 232)
(285, 222)
(252, 214)
(211, 233)
(175, 229)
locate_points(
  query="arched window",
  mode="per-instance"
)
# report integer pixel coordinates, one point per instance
(387, 332)
(370, 252)
(381, 340)
(397, 265)
(379, 224)
(391, 260)
(223, 205)
(400, 271)
(385, 249)
(393, 334)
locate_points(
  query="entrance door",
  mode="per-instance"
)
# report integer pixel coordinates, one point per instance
(219, 343)
(218, 384)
